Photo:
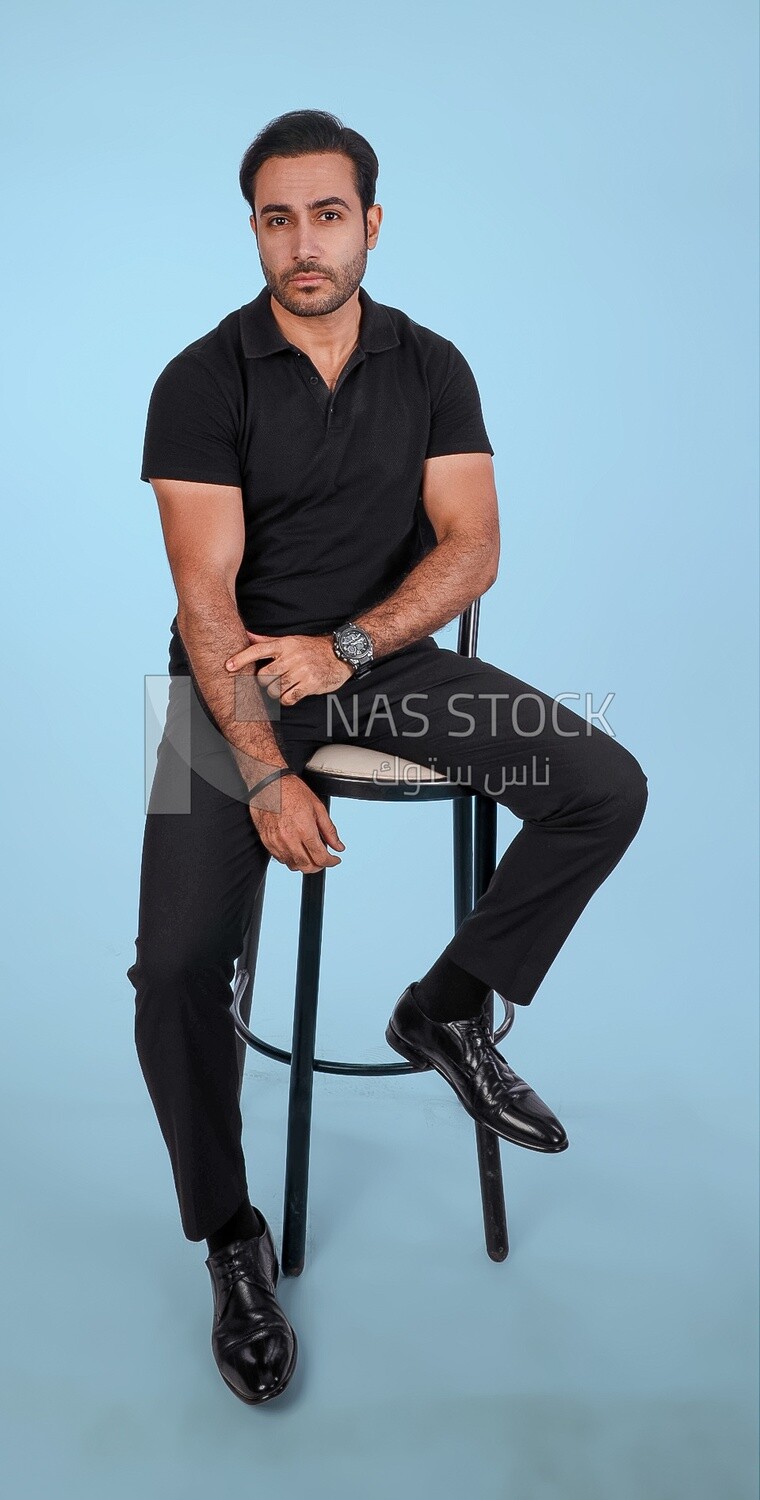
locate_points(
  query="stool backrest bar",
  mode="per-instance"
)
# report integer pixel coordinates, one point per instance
(467, 644)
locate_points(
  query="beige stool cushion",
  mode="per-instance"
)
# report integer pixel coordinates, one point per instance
(357, 760)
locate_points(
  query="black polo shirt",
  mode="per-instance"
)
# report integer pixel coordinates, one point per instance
(330, 479)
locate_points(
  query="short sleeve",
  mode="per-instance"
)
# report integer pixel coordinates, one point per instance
(456, 420)
(190, 431)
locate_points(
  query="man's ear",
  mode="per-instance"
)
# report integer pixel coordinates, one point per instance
(374, 220)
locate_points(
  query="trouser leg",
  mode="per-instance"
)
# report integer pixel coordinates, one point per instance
(201, 869)
(580, 795)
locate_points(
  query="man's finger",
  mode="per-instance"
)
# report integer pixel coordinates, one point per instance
(250, 653)
(318, 852)
(327, 828)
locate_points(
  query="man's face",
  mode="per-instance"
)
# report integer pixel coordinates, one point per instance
(297, 231)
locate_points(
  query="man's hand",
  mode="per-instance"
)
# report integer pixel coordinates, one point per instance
(300, 665)
(298, 834)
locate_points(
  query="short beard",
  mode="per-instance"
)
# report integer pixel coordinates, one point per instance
(341, 285)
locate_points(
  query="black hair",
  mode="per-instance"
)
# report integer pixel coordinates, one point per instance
(302, 132)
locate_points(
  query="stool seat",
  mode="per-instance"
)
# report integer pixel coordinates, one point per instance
(377, 776)
(357, 760)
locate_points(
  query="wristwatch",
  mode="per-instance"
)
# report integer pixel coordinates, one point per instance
(352, 644)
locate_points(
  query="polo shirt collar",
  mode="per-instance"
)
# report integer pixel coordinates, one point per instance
(260, 333)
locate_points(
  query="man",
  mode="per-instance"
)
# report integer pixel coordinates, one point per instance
(326, 492)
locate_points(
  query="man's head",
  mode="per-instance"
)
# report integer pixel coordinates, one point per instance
(295, 163)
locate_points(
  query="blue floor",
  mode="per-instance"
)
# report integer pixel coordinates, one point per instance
(611, 1353)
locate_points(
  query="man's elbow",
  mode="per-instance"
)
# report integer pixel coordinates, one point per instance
(481, 554)
(491, 567)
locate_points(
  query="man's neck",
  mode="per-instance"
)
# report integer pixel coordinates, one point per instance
(328, 340)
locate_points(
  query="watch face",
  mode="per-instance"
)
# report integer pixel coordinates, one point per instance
(354, 637)
(355, 643)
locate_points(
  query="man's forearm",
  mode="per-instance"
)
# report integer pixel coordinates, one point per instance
(443, 584)
(211, 631)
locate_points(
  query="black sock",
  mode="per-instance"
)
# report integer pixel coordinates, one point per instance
(245, 1222)
(449, 993)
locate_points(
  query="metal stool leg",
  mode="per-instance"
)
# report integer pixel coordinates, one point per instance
(488, 1143)
(462, 858)
(245, 975)
(302, 1072)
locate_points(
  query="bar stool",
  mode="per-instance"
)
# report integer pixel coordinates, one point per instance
(357, 772)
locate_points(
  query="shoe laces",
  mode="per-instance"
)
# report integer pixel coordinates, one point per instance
(475, 1029)
(242, 1262)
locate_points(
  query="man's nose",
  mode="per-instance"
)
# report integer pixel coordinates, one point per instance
(306, 246)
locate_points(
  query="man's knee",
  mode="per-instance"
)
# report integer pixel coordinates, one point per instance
(629, 791)
(179, 974)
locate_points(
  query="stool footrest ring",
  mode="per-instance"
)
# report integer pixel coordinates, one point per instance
(330, 1065)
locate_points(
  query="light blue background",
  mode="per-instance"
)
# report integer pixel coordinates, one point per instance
(570, 194)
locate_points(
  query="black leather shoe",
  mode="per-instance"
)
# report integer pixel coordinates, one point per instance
(464, 1054)
(252, 1341)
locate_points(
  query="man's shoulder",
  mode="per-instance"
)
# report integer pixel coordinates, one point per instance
(412, 332)
(219, 349)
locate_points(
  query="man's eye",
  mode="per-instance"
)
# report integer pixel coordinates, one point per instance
(280, 218)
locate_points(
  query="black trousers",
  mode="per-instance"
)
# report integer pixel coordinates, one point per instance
(579, 793)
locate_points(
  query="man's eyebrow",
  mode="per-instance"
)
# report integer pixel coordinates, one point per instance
(287, 208)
